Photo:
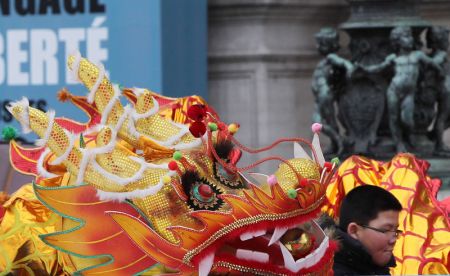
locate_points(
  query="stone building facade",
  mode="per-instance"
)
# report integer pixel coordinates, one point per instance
(261, 57)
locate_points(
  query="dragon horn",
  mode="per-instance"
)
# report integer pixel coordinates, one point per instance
(105, 96)
(44, 125)
(94, 78)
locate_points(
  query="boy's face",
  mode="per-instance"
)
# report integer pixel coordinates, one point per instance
(378, 244)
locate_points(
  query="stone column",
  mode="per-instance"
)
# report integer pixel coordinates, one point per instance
(261, 56)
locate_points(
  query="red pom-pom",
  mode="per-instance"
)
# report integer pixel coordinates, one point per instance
(221, 126)
(197, 112)
(327, 166)
(197, 129)
(205, 191)
(173, 166)
(303, 182)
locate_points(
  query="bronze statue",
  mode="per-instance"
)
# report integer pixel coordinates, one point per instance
(328, 79)
(391, 97)
(403, 86)
(437, 41)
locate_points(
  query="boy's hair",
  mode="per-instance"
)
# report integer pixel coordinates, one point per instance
(363, 203)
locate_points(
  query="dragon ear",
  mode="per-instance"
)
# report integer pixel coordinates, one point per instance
(299, 152)
(318, 150)
(235, 156)
(318, 154)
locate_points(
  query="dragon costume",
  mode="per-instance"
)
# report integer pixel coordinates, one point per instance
(154, 188)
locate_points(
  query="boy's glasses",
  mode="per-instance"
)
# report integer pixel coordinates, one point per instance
(396, 233)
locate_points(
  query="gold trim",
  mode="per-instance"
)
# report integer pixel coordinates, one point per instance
(244, 269)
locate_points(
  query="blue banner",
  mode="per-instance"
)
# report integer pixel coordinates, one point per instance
(133, 39)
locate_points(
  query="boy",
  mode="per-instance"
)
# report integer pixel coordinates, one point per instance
(367, 230)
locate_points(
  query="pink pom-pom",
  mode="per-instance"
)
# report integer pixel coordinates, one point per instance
(316, 127)
(272, 180)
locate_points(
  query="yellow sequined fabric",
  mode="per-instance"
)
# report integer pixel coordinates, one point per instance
(161, 130)
(25, 219)
(304, 167)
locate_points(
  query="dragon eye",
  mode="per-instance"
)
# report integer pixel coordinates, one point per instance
(203, 192)
(201, 195)
(204, 196)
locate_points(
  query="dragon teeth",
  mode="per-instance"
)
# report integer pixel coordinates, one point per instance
(249, 255)
(277, 234)
(248, 235)
(259, 233)
(310, 260)
(289, 261)
(205, 265)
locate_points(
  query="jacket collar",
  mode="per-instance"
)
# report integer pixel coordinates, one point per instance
(352, 253)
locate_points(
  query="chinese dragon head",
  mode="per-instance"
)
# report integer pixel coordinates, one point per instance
(154, 187)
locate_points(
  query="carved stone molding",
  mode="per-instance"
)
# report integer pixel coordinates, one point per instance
(260, 29)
